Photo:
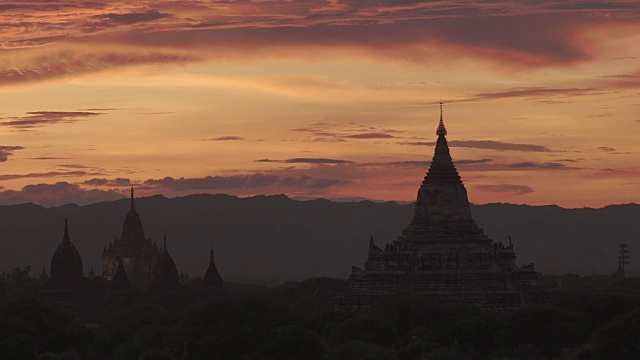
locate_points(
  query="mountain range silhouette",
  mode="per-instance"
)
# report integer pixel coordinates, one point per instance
(272, 239)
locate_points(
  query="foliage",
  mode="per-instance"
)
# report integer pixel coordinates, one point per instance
(293, 321)
(30, 328)
(15, 281)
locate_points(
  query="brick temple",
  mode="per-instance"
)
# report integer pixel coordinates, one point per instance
(443, 253)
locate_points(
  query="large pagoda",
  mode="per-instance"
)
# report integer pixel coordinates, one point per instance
(442, 253)
(135, 252)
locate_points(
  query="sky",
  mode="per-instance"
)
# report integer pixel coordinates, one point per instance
(335, 99)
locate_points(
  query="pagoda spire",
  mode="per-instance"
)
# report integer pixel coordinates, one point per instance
(441, 131)
(120, 279)
(212, 276)
(164, 248)
(372, 246)
(43, 275)
(66, 238)
(133, 206)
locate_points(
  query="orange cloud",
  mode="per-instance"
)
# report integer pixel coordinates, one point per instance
(541, 34)
(6, 151)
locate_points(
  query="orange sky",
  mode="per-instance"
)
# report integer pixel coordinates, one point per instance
(334, 99)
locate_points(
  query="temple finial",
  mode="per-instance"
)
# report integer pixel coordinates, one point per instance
(211, 252)
(164, 250)
(66, 237)
(133, 207)
(372, 245)
(441, 131)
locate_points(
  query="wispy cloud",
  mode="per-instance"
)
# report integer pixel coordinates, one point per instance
(306, 161)
(536, 165)
(50, 174)
(36, 119)
(226, 138)
(374, 135)
(535, 92)
(249, 182)
(76, 62)
(506, 188)
(484, 144)
(405, 31)
(330, 131)
(132, 18)
(117, 182)
(47, 158)
(6, 151)
(616, 173)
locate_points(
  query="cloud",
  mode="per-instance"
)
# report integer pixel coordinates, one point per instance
(215, 182)
(308, 182)
(452, 29)
(369, 136)
(616, 173)
(6, 151)
(472, 161)
(132, 18)
(606, 149)
(35, 119)
(50, 174)
(103, 189)
(418, 32)
(506, 188)
(535, 92)
(226, 138)
(408, 163)
(256, 181)
(60, 63)
(57, 194)
(306, 161)
(421, 164)
(330, 131)
(47, 158)
(536, 165)
(117, 182)
(484, 144)
(517, 166)
(316, 161)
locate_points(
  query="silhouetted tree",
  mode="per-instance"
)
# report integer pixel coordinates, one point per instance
(619, 338)
(30, 328)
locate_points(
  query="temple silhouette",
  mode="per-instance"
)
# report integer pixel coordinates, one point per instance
(442, 253)
(66, 264)
(132, 262)
(137, 253)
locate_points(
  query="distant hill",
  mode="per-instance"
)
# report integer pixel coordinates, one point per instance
(271, 239)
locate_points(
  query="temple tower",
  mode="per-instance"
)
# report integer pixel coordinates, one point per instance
(442, 253)
(66, 263)
(120, 280)
(212, 277)
(133, 250)
(165, 272)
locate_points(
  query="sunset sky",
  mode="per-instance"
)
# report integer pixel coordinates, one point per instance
(335, 99)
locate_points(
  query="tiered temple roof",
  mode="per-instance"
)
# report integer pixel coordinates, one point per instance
(120, 280)
(442, 253)
(212, 276)
(133, 250)
(66, 263)
(165, 272)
